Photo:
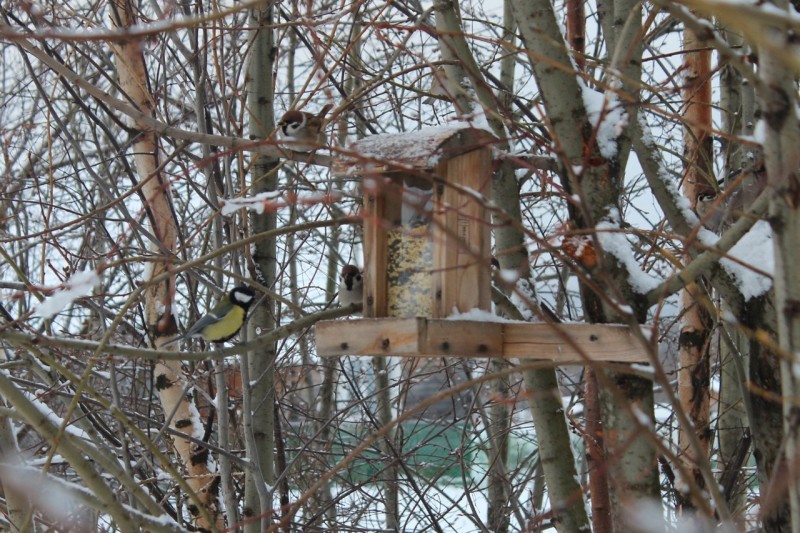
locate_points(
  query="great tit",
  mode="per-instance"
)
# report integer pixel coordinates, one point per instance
(224, 320)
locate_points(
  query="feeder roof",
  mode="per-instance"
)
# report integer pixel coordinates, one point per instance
(417, 150)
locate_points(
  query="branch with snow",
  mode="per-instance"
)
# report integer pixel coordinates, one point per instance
(273, 200)
(81, 284)
(613, 241)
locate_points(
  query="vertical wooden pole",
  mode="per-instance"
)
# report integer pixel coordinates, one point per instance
(380, 213)
(461, 235)
(376, 213)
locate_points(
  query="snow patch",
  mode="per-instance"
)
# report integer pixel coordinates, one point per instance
(79, 285)
(608, 117)
(273, 200)
(479, 315)
(415, 148)
(760, 132)
(615, 243)
(754, 250)
(523, 297)
(508, 275)
(643, 369)
(49, 415)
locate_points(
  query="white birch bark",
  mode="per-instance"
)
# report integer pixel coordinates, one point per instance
(170, 384)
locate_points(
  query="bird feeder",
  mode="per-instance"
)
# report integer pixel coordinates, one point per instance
(427, 250)
(426, 226)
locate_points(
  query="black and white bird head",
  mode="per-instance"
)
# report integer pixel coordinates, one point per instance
(242, 296)
(304, 131)
(293, 122)
(351, 286)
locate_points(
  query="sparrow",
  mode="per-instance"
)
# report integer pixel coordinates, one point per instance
(304, 131)
(351, 286)
(741, 188)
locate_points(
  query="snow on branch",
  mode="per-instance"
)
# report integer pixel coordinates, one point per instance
(755, 248)
(79, 285)
(613, 241)
(274, 200)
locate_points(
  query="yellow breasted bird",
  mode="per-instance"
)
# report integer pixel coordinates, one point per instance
(224, 320)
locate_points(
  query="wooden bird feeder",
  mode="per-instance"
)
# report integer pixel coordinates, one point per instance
(427, 249)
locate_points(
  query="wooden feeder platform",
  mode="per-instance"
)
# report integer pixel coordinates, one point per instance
(562, 344)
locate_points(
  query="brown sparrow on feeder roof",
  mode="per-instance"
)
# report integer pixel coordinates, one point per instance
(304, 131)
(351, 286)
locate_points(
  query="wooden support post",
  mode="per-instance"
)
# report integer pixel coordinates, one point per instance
(461, 235)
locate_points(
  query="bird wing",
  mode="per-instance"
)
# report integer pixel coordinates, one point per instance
(207, 320)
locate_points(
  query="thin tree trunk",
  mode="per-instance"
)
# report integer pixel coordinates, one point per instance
(576, 31)
(693, 381)
(259, 386)
(593, 437)
(782, 160)
(732, 422)
(594, 442)
(390, 469)
(737, 105)
(694, 367)
(561, 477)
(17, 506)
(223, 437)
(498, 482)
(170, 383)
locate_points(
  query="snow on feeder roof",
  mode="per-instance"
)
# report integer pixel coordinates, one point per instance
(422, 149)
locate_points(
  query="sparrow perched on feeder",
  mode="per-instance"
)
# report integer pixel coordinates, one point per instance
(351, 286)
(304, 131)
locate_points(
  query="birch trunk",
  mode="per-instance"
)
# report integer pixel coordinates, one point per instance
(694, 341)
(170, 384)
(778, 100)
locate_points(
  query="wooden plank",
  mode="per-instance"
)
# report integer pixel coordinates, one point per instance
(378, 213)
(421, 337)
(573, 343)
(463, 338)
(384, 336)
(461, 234)
(409, 337)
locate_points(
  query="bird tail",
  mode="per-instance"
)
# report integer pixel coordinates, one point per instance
(173, 341)
(324, 110)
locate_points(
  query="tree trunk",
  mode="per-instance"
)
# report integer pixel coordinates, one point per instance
(597, 181)
(737, 105)
(170, 384)
(778, 100)
(259, 386)
(694, 364)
